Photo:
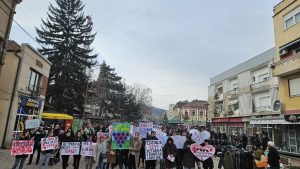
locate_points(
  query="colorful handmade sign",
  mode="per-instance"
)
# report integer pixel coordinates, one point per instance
(77, 125)
(49, 143)
(145, 128)
(202, 152)
(153, 150)
(22, 147)
(70, 148)
(88, 149)
(120, 136)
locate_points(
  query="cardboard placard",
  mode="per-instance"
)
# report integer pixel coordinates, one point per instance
(121, 136)
(32, 124)
(179, 141)
(70, 148)
(49, 143)
(153, 150)
(145, 128)
(88, 149)
(202, 152)
(22, 147)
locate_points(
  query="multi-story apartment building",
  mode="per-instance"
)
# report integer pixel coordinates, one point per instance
(243, 93)
(23, 86)
(287, 68)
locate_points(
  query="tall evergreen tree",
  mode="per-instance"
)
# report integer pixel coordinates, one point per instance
(65, 37)
(110, 90)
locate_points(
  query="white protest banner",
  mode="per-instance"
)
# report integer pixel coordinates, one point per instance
(88, 149)
(179, 141)
(49, 143)
(202, 152)
(145, 128)
(199, 137)
(162, 139)
(32, 124)
(153, 150)
(159, 133)
(70, 148)
(22, 147)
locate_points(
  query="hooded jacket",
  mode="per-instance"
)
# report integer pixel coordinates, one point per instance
(169, 149)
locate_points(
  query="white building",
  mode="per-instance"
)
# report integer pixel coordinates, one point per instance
(243, 94)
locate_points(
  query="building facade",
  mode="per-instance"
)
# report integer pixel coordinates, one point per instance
(287, 68)
(242, 94)
(23, 85)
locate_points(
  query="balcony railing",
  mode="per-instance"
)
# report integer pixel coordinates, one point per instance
(263, 109)
(264, 85)
(232, 93)
(287, 65)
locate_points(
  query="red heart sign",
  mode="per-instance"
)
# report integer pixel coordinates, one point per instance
(202, 152)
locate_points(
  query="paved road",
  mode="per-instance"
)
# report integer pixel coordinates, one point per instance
(7, 161)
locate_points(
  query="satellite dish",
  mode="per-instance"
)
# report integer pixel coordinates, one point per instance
(276, 105)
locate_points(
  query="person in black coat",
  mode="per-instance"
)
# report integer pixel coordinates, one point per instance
(273, 156)
(76, 158)
(188, 156)
(20, 159)
(169, 153)
(208, 163)
(151, 164)
(37, 135)
(65, 158)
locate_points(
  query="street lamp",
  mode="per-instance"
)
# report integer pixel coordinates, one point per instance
(206, 104)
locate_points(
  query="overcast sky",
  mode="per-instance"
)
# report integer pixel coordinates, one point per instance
(171, 46)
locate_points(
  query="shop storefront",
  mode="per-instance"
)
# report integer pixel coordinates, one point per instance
(28, 109)
(220, 124)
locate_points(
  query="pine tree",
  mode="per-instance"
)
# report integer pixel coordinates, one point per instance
(65, 37)
(110, 91)
(131, 109)
(165, 119)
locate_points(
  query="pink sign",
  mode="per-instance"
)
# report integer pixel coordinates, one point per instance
(202, 152)
(49, 143)
(22, 147)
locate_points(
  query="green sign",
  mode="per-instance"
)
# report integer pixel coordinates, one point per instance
(120, 136)
(76, 125)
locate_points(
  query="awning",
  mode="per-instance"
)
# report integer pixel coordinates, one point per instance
(57, 116)
(271, 122)
(289, 44)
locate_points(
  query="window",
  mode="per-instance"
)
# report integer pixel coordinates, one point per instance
(263, 77)
(33, 81)
(235, 86)
(193, 113)
(253, 79)
(289, 23)
(294, 87)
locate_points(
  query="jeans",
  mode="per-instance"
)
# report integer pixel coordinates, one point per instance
(43, 164)
(100, 164)
(38, 148)
(19, 162)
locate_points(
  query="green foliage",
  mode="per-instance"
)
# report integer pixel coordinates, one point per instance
(65, 37)
(166, 120)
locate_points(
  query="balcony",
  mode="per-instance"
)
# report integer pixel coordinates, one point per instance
(232, 93)
(287, 66)
(260, 86)
(219, 97)
(264, 110)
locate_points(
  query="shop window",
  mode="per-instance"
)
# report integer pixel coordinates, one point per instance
(33, 81)
(193, 113)
(294, 87)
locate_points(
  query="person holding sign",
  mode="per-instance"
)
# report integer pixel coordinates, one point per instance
(134, 151)
(65, 158)
(76, 158)
(151, 164)
(20, 159)
(208, 163)
(169, 154)
(37, 136)
(188, 156)
(43, 163)
(101, 152)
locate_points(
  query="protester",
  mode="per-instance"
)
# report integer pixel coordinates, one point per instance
(188, 157)
(76, 158)
(273, 156)
(151, 164)
(101, 152)
(37, 135)
(264, 141)
(142, 154)
(208, 163)
(65, 158)
(134, 151)
(258, 152)
(20, 159)
(90, 160)
(169, 154)
(122, 158)
(110, 155)
(43, 163)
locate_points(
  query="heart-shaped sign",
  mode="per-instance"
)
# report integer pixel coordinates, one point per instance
(202, 152)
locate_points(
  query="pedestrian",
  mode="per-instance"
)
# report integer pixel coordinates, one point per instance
(151, 164)
(273, 156)
(20, 159)
(65, 158)
(122, 158)
(142, 154)
(188, 156)
(111, 155)
(101, 153)
(90, 160)
(76, 158)
(134, 151)
(208, 163)
(169, 154)
(45, 157)
(37, 136)
(264, 141)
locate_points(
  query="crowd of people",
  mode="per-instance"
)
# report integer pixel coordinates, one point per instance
(134, 157)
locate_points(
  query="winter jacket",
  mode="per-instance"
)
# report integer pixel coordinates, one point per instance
(273, 157)
(188, 157)
(169, 149)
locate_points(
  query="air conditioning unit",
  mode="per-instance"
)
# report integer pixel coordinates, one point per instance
(283, 52)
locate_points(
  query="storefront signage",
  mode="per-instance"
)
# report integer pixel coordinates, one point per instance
(236, 124)
(30, 102)
(220, 120)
